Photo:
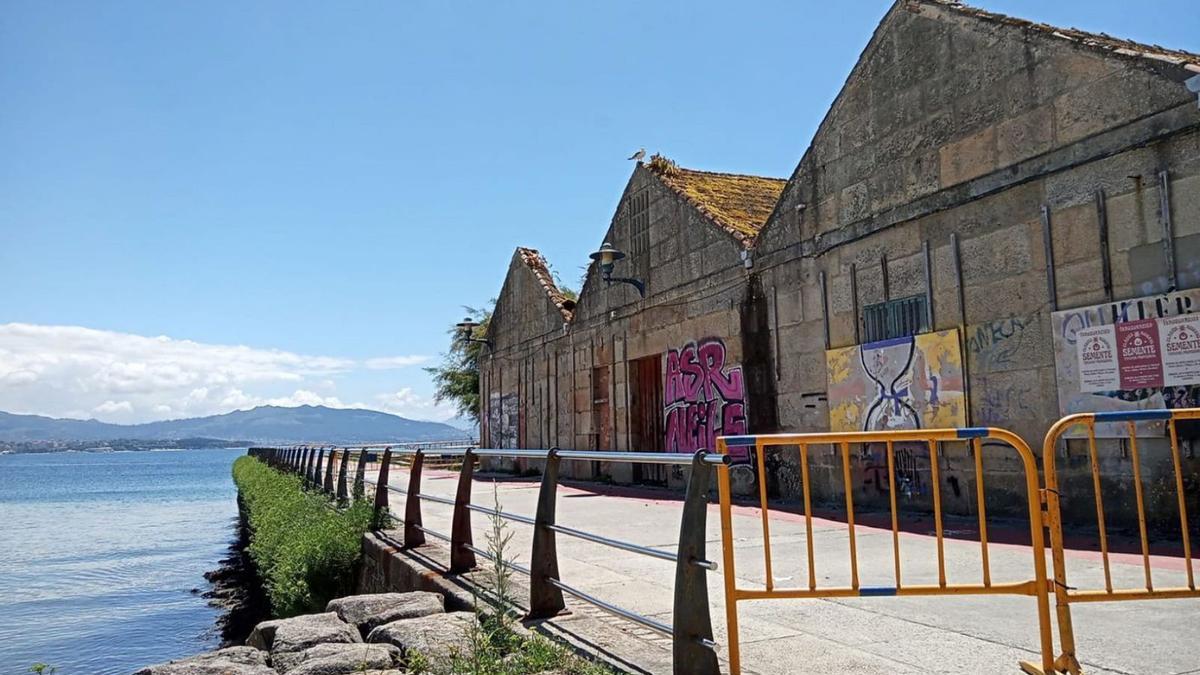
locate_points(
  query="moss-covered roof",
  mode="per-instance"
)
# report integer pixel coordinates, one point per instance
(541, 271)
(1096, 41)
(738, 203)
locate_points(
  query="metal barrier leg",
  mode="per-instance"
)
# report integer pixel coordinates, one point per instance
(692, 622)
(381, 489)
(1066, 661)
(545, 599)
(413, 536)
(733, 646)
(343, 494)
(462, 559)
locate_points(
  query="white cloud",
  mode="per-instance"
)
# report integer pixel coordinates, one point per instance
(406, 403)
(72, 371)
(113, 407)
(393, 362)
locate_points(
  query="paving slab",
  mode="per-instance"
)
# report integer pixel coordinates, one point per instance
(972, 634)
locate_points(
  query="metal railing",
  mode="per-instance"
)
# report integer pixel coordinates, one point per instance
(931, 439)
(1064, 594)
(693, 647)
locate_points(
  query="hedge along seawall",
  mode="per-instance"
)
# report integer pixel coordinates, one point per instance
(306, 551)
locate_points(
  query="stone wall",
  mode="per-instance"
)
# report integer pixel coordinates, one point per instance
(958, 147)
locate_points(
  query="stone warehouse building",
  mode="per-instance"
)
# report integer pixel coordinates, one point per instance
(983, 194)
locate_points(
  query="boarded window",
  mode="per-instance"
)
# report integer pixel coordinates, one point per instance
(894, 318)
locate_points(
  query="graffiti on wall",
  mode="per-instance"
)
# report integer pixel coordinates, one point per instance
(1072, 398)
(903, 383)
(703, 397)
(503, 420)
(907, 467)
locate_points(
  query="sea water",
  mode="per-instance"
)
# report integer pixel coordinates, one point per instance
(102, 557)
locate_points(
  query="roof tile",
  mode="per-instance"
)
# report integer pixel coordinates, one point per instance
(541, 271)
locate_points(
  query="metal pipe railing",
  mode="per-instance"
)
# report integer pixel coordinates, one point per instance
(502, 514)
(613, 609)
(326, 469)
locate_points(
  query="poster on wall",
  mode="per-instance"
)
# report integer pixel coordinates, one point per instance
(904, 383)
(1180, 350)
(1138, 357)
(1099, 369)
(1135, 354)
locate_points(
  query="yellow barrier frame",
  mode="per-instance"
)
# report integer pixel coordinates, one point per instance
(1036, 587)
(1065, 595)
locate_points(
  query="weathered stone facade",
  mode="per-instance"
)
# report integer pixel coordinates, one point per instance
(966, 149)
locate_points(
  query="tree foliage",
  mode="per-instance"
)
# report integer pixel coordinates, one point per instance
(456, 379)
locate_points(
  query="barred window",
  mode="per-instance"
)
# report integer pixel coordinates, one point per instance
(894, 318)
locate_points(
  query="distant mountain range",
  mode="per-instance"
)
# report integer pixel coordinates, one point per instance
(265, 424)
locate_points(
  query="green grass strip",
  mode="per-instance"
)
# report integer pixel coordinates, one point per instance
(307, 553)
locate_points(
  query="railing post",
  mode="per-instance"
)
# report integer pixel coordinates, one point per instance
(360, 475)
(691, 619)
(343, 495)
(545, 599)
(327, 485)
(381, 489)
(462, 559)
(413, 536)
(315, 479)
(306, 464)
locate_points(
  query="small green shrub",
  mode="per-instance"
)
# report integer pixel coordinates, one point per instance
(307, 553)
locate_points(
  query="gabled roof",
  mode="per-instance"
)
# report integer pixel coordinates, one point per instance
(1097, 41)
(541, 271)
(739, 204)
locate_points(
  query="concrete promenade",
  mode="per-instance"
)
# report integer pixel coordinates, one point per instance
(973, 634)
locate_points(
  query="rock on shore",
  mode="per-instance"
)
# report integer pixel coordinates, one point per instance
(332, 643)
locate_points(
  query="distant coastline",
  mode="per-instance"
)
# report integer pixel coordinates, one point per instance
(116, 445)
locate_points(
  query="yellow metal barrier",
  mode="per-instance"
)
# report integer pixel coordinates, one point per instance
(1065, 595)
(1036, 587)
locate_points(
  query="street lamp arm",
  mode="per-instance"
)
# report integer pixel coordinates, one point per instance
(641, 288)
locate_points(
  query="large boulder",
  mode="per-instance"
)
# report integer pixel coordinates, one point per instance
(368, 612)
(301, 632)
(229, 661)
(436, 636)
(337, 659)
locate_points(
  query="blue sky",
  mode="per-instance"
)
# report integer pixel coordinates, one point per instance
(325, 184)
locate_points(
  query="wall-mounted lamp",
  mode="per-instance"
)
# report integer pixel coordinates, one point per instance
(466, 329)
(606, 256)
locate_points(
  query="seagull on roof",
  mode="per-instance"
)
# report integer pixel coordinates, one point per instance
(639, 155)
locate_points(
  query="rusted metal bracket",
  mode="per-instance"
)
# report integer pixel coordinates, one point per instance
(381, 488)
(343, 495)
(360, 474)
(328, 484)
(413, 536)
(545, 599)
(693, 631)
(462, 558)
(315, 478)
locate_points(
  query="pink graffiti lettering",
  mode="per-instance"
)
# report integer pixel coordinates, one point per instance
(703, 399)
